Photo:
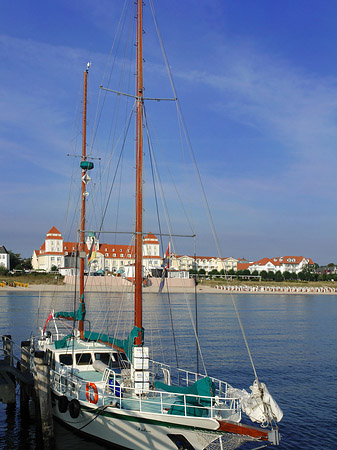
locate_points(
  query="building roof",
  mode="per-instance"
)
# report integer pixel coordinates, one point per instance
(150, 238)
(53, 230)
(3, 249)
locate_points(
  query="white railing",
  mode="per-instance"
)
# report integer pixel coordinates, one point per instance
(66, 382)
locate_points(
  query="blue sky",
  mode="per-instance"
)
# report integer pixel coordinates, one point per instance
(257, 83)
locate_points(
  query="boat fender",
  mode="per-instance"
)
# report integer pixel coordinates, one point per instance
(115, 404)
(91, 399)
(63, 404)
(99, 366)
(74, 408)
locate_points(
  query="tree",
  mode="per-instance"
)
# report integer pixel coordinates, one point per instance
(287, 275)
(271, 275)
(202, 272)
(3, 270)
(214, 272)
(264, 275)
(278, 276)
(14, 259)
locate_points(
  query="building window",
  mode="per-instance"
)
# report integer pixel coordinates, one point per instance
(121, 255)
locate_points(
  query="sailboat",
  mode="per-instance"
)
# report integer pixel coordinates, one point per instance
(111, 389)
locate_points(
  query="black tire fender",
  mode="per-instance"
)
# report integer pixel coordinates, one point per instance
(63, 404)
(74, 408)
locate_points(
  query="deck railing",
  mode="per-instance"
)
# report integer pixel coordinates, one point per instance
(111, 392)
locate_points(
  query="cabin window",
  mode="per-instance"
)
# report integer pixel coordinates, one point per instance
(66, 359)
(104, 357)
(83, 359)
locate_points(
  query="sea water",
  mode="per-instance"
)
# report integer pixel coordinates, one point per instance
(292, 340)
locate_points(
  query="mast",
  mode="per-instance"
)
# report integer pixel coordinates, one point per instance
(139, 174)
(83, 197)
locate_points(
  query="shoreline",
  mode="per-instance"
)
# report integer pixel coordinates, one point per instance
(200, 288)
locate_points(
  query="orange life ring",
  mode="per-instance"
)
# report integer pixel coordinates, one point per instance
(91, 399)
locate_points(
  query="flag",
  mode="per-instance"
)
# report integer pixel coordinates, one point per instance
(92, 252)
(51, 316)
(165, 266)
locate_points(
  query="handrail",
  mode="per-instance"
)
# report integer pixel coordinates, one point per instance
(66, 382)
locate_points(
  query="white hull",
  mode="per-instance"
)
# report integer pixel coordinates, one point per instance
(144, 431)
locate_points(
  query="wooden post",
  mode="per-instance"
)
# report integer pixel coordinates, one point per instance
(7, 346)
(24, 367)
(42, 388)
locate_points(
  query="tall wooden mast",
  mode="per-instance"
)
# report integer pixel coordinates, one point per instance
(139, 174)
(83, 197)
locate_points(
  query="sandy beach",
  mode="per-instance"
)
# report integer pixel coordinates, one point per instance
(64, 288)
(230, 289)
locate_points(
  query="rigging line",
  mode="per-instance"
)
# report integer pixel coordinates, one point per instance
(115, 174)
(195, 333)
(119, 197)
(189, 144)
(74, 127)
(161, 239)
(179, 109)
(244, 336)
(98, 114)
(125, 131)
(177, 193)
(160, 187)
(112, 134)
(196, 309)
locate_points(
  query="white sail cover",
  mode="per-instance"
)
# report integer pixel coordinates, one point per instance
(259, 405)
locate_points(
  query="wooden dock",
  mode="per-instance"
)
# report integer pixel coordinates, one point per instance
(11, 373)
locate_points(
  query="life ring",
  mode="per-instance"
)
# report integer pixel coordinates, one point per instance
(89, 397)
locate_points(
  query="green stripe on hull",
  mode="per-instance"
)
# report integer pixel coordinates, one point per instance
(100, 412)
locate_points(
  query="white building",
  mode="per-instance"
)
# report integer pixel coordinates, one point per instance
(293, 264)
(51, 252)
(208, 263)
(4, 257)
(105, 257)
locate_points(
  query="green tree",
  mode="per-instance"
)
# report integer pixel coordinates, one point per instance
(264, 275)
(3, 270)
(278, 276)
(214, 272)
(14, 259)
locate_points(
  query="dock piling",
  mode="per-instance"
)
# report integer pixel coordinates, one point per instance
(42, 388)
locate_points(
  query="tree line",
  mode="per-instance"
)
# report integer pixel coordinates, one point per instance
(307, 274)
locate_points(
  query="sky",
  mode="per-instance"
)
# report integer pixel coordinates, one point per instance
(257, 82)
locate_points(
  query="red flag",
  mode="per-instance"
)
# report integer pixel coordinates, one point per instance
(51, 316)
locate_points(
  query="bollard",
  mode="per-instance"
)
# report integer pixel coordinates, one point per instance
(42, 388)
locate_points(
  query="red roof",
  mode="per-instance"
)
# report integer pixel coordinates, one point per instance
(54, 231)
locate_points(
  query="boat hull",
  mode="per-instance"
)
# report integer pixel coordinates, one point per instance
(142, 431)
